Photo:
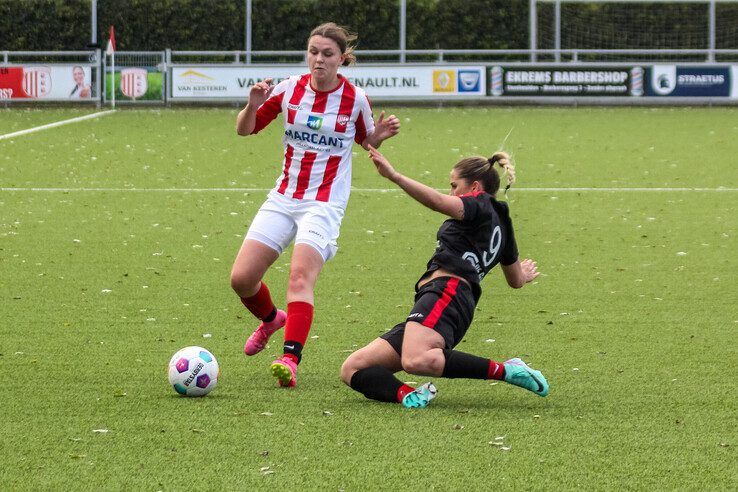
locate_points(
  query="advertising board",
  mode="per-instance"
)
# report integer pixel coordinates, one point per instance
(691, 81)
(47, 82)
(560, 81)
(206, 82)
(136, 84)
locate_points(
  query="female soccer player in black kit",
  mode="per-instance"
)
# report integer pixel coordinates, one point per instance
(478, 236)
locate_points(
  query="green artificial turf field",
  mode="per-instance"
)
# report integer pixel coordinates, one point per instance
(116, 241)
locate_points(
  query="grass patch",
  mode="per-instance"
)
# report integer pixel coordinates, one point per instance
(633, 320)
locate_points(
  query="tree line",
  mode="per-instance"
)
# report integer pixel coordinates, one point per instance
(153, 25)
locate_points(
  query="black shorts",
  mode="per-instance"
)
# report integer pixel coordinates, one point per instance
(445, 305)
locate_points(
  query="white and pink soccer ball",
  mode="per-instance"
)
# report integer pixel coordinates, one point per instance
(193, 371)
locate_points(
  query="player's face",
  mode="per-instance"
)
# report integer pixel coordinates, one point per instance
(459, 186)
(324, 58)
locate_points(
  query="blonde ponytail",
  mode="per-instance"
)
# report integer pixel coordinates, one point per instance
(504, 161)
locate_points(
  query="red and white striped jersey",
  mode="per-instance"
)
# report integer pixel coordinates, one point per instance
(319, 131)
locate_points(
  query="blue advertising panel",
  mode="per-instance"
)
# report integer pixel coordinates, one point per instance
(682, 81)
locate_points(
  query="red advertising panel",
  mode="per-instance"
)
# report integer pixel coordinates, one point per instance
(11, 83)
(52, 82)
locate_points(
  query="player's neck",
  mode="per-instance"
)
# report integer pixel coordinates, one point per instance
(325, 86)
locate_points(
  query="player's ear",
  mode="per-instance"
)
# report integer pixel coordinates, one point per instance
(476, 187)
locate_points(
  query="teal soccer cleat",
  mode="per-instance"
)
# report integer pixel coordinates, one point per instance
(420, 397)
(518, 373)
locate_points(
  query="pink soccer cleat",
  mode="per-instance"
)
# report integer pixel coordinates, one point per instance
(259, 338)
(285, 370)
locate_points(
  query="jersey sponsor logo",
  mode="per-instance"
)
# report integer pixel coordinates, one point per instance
(315, 122)
(343, 119)
(474, 260)
(488, 257)
(314, 138)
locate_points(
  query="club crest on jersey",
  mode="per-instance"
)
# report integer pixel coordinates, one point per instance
(315, 122)
(342, 119)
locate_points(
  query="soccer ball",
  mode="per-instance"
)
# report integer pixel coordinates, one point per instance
(193, 371)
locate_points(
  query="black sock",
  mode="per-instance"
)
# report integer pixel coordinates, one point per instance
(462, 365)
(377, 383)
(269, 317)
(293, 348)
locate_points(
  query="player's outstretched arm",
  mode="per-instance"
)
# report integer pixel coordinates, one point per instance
(445, 204)
(246, 120)
(383, 129)
(520, 273)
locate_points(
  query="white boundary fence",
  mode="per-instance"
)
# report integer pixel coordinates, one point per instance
(492, 76)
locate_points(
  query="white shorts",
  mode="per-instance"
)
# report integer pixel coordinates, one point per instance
(281, 219)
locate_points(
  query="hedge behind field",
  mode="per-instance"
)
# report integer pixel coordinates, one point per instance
(153, 25)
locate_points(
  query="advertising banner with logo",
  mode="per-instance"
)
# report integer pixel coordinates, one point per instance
(47, 82)
(137, 84)
(692, 81)
(134, 82)
(199, 82)
(534, 80)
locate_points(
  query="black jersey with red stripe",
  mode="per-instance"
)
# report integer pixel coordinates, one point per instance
(471, 247)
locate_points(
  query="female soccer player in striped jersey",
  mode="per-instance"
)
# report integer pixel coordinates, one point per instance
(323, 115)
(478, 236)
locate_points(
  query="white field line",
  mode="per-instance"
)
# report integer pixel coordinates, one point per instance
(55, 124)
(358, 190)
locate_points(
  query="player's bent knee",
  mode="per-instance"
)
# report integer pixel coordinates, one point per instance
(299, 282)
(348, 369)
(355, 362)
(414, 365)
(243, 283)
(424, 364)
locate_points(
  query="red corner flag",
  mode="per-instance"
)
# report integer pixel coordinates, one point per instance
(111, 42)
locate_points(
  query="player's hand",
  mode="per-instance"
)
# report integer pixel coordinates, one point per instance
(384, 167)
(386, 128)
(260, 92)
(530, 270)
